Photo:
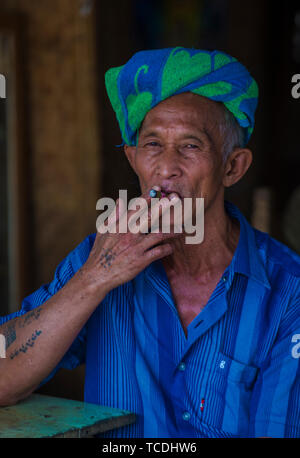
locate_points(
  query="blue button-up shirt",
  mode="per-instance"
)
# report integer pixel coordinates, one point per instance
(235, 374)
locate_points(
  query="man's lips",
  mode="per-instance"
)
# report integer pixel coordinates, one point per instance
(166, 192)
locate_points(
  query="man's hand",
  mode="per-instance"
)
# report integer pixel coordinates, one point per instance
(118, 257)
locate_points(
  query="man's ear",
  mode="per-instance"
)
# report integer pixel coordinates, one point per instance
(236, 166)
(130, 152)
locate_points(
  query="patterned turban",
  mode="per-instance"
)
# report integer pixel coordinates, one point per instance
(154, 75)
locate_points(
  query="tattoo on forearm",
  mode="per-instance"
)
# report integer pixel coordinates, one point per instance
(9, 333)
(30, 317)
(106, 258)
(24, 347)
(9, 328)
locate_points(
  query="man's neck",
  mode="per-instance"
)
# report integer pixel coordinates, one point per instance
(221, 236)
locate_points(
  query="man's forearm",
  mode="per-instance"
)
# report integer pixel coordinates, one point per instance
(37, 340)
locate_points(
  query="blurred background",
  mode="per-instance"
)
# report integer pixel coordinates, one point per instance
(59, 135)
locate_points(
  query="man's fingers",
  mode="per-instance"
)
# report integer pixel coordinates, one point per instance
(154, 238)
(155, 212)
(144, 214)
(158, 252)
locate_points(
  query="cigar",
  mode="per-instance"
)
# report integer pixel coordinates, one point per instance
(154, 193)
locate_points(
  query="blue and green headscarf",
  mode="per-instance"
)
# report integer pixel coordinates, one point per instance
(154, 75)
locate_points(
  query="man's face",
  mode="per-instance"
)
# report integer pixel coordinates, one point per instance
(180, 148)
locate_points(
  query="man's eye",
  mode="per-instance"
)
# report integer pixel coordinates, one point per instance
(191, 146)
(152, 144)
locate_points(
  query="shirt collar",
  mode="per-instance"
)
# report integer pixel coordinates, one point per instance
(246, 259)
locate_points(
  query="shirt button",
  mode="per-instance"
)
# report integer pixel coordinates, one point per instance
(181, 366)
(186, 416)
(224, 278)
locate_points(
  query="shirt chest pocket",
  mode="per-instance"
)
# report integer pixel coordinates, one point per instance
(236, 371)
(226, 395)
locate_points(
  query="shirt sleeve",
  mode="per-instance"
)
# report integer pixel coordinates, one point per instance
(63, 273)
(275, 409)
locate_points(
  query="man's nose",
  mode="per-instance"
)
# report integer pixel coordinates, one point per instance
(168, 164)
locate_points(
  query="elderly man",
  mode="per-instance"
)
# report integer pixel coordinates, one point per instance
(197, 340)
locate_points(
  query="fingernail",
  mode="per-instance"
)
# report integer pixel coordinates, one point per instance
(173, 196)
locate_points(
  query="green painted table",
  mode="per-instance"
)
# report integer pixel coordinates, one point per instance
(48, 416)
